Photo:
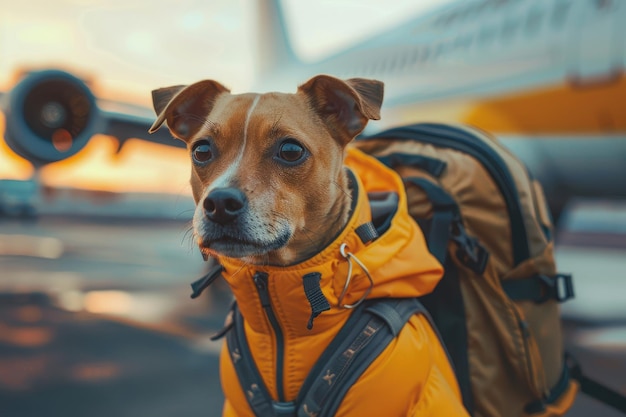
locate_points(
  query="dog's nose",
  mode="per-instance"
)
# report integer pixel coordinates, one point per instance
(223, 205)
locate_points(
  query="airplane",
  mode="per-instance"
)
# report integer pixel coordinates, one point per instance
(545, 76)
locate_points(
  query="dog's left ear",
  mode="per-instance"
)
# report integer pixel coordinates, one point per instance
(345, 105)
(185, 107)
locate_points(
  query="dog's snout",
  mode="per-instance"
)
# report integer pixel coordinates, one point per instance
(223, 205)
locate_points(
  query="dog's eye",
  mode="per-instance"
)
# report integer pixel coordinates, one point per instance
(291, 152)
(201, 152)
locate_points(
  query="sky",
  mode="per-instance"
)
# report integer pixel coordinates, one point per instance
(126, 48)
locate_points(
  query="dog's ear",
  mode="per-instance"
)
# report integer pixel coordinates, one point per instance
(345, 105)
(185, 107)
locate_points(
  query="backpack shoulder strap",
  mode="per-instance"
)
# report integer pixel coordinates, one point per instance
(365, 335)
(447, 224)
(250, 379)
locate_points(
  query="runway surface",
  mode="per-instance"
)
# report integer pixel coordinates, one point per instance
(96, 319)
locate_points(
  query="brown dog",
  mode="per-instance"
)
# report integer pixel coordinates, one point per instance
(280, 210)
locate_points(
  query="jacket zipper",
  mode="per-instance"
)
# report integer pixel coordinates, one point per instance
(261, 283)
(456, 138)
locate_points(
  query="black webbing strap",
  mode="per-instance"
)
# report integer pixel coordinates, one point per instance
(447, 224)
(445, 211)
(315, 296)
(364, 336)
(589, 386)
(555, 392)
(595, 389)
(366, 232)
(433, 166)
(540, 288)
(249, 376)
(203, 283)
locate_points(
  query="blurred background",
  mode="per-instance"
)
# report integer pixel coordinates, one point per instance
(96, 251)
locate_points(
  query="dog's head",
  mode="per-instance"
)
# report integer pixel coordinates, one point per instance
(267, 172)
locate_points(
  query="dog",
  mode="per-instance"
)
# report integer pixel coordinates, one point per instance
(282, 201)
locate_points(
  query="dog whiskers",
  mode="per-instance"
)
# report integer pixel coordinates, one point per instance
(244, 265)
(188, 236)
(307, 233)
(342, 189)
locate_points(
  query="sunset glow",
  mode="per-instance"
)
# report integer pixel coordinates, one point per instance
(11, 165)
(139, 167)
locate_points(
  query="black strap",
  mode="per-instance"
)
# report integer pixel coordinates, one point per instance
(447, 224)
(203, 283)
(366, 334)
(445, 211)
(595, 389)
(228, 323)
(540, 288)
(433, 166)
(591, 387)
(366, 232)
(249, 376)
(446, 307)
(555, 393)
(315, 296)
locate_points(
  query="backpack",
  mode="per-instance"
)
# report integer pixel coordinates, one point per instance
(496, 309)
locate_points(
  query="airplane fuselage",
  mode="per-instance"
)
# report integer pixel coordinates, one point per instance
(545, 76)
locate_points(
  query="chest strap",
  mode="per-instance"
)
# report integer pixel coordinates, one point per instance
(368, 331)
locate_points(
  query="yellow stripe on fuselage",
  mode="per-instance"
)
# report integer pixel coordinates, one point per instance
(564, 109)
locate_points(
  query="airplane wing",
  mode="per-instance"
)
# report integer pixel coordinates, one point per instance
(126, 125)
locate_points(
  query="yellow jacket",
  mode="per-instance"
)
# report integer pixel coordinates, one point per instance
(412, 377)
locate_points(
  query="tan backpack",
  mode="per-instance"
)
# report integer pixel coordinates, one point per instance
(497, 308)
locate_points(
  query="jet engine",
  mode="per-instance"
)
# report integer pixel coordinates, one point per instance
(50, 116)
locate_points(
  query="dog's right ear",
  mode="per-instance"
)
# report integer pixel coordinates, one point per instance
(185, 108)
(346, 106)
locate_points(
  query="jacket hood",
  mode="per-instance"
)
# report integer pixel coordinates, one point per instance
(397, 261)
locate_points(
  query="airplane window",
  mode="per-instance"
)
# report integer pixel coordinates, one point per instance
(436, 51)
(559, 14)
(487, 35)
(533, 21)
(444, 20)
(509, 27)
(444, 48)
(313, 40)
(413, 56)
(426, 53)
(464, 41)
(404, 60)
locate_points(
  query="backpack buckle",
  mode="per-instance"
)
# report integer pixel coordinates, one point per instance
(559, 287)
(470, 252)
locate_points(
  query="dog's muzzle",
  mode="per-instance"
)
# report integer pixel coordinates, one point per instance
(224, 205)
(224, 224)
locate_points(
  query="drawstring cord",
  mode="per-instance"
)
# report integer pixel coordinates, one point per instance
(349, 256)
